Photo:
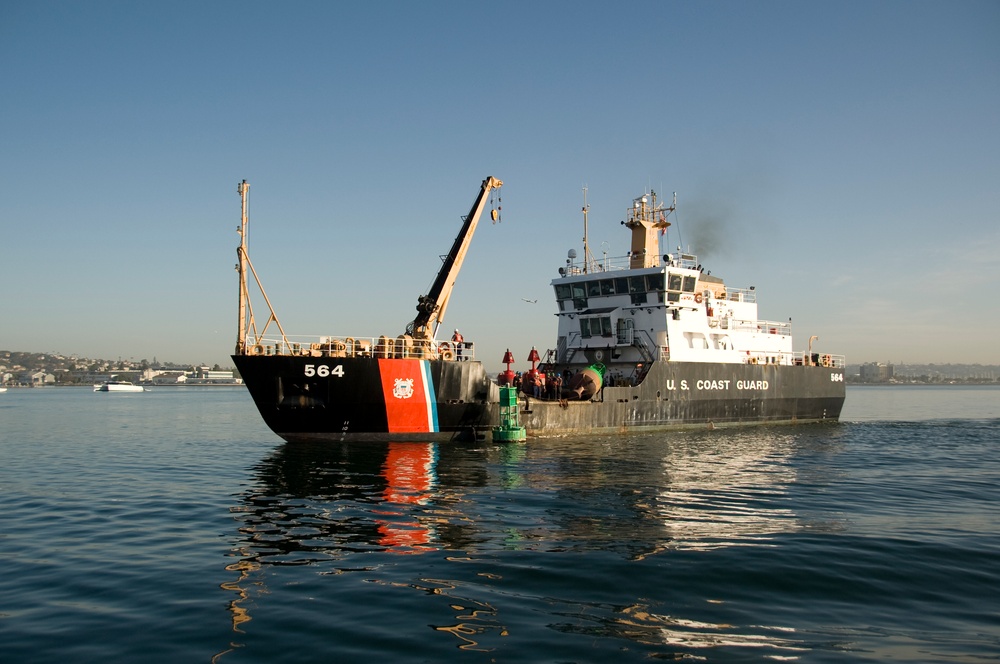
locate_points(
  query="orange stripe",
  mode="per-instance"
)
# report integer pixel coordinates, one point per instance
(409, 400)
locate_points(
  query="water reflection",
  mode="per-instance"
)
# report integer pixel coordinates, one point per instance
(734, 497)
(639, 623)
(343, 508)
(321, 503)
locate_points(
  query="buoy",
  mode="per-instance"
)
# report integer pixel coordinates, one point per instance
(586, 383)
(506, 377)
(510, 429)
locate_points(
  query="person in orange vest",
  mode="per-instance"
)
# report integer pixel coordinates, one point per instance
(459, 342)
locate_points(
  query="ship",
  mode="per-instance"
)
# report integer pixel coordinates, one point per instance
(649, 341)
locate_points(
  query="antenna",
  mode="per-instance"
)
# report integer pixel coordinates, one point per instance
(589, 262)
(586, 246)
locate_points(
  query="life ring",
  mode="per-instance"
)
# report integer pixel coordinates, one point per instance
(446, 351)
(256, 349)
(697, 298)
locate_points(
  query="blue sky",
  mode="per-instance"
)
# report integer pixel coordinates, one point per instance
(844, 158)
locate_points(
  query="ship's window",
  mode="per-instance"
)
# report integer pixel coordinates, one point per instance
(607, 287)
(595, 327)
(636, 285)
(562, 305)
(689, 284)
(654, 282)
(625, 331)
(579, 296)
(593, 288)
(621, 285)
(563, 292)
(673, 297)
(674, 282)
(638, 298)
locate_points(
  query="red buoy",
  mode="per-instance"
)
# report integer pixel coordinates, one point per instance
(506, 377)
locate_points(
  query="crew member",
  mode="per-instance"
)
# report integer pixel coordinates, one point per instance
(459, 342)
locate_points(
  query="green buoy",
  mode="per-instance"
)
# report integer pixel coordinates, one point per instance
(510, 429)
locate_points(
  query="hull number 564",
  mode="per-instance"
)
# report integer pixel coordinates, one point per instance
(323, 370)
(837, 377)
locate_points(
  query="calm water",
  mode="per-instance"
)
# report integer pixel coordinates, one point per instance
(172, 526)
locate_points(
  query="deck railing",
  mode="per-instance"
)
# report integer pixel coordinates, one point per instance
(376, 347)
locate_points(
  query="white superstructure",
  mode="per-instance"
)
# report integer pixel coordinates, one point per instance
(645, 307)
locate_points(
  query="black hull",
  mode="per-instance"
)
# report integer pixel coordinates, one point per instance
(363, 398)
(697, 394)
(367, 399)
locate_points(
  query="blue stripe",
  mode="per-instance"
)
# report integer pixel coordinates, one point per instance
(429, 395)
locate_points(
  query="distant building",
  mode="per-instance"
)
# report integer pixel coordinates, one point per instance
(165, 377)
(210, 376)
(38, 378)
(876, 372)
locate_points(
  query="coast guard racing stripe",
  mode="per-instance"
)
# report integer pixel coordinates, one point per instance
(408, 391)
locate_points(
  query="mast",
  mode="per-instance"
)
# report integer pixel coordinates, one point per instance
(590, 263)
(586, 244)
(645, 217)
(243, 188)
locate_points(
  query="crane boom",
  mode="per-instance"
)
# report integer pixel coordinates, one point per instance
(431, 307)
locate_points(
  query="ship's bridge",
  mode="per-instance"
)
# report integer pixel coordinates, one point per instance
(622, 309)
(613, 282)
(609, 311)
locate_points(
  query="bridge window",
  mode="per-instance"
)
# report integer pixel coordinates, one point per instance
(595, 327)
(677, 283)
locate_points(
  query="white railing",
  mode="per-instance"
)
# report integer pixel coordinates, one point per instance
(739, 295)
(617, 263)
(798, 358)
(377, 347)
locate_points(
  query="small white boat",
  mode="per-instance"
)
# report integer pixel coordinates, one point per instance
(118, 386)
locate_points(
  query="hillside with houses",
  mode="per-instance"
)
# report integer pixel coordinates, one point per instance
(24, 369)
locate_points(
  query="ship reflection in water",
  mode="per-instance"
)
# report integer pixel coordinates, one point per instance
(409, 476)
(345, 508)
